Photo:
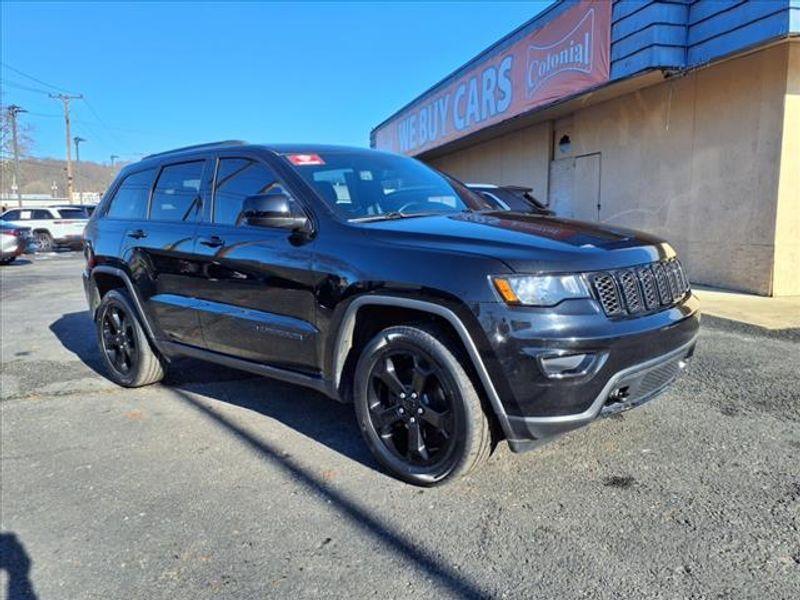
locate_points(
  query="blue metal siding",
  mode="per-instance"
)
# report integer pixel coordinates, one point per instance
(741, 38)
(675, 34)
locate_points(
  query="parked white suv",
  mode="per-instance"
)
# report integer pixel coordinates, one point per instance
(51, 226)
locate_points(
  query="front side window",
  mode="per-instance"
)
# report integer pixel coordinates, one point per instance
(130, 199)
(177, 192)
(12, 215)
(362, 186)
(238, 178)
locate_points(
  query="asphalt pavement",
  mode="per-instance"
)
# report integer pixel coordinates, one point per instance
(216, 483)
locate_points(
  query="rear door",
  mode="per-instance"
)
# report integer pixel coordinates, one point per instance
(158, 250)
(257, 285)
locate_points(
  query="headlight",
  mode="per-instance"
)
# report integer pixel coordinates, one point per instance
(540, 290)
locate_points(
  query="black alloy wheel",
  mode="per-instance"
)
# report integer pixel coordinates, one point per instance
(411, 407)
(119, 340)
(417, 408)
(130, 358)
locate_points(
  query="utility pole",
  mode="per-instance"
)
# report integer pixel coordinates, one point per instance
(65, 99)
(77, 139)
(13, 111)
(113, 158)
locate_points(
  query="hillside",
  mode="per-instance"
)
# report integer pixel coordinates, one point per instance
(36, 175)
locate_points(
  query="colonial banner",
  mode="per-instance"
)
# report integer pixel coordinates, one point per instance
(561, 57)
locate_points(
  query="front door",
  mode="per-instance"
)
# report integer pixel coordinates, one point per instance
(257, 287)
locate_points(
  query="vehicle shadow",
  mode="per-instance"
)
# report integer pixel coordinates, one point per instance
(358, 515)
(306, 411)
(14, 560)
(18, 262)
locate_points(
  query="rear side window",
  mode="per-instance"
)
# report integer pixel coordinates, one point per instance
(130, 200)
(73, 213)
(238, 178)
(41, 215)
(177, 192)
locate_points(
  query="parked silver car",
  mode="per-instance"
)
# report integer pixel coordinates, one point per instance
(14, 241)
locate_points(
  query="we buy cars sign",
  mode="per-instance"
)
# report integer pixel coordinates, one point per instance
(549, 61)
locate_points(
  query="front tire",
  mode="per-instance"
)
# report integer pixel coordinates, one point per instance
(417, 408)
(124, 347)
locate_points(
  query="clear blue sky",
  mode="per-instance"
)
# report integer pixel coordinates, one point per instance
(159, 75)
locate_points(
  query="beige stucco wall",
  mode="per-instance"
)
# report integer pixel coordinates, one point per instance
(695, 159)
(518, 158)
(786, 272)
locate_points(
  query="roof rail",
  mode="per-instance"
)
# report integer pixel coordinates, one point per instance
(198, 147)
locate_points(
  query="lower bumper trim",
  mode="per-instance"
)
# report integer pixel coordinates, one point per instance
(627, 389)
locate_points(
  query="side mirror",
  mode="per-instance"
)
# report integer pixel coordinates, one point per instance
(273, 209)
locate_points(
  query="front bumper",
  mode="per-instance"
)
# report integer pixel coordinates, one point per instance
(627, 389)
(634, 360)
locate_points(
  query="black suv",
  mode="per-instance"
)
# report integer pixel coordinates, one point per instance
(377, 280)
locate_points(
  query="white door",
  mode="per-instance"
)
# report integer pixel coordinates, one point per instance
(575, 187)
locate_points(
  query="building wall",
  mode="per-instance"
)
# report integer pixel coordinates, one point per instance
(695, 159)
(518, 158)
(786, 278)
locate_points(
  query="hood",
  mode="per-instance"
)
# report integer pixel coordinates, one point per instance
(526, 242)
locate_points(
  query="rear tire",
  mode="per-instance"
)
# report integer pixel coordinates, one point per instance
(127, 354)
(417, 408)
(44, 241)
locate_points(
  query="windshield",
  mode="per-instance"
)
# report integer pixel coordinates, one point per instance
(363, 186)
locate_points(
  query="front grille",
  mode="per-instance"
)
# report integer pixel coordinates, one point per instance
(642, 289)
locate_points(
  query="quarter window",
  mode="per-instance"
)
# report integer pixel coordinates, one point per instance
(130, 200)
(238, 178)
(177, 192)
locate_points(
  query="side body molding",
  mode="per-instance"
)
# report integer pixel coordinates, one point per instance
(344, 342)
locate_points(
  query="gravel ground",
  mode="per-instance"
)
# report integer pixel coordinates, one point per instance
(220, 484)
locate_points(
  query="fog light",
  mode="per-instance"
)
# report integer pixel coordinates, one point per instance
(563, 365)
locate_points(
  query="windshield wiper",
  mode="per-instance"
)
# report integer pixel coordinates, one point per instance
(390, 216)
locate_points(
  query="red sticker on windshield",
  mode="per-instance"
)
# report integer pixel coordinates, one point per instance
(304, 160)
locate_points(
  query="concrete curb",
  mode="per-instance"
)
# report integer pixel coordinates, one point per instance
(714, 322)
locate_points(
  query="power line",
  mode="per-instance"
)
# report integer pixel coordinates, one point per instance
(24, 87)
(32, 78)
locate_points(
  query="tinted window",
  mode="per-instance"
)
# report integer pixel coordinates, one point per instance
(41, 214)
(238, 178)
(177, 192)
(12, 215)
(73, 213)
(130, 201)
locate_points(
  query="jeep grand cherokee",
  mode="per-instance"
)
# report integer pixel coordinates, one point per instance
(377, 280)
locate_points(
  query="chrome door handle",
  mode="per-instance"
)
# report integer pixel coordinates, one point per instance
(138, 234)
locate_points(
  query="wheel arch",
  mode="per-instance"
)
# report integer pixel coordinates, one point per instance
(382, 311)
(105, 278)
